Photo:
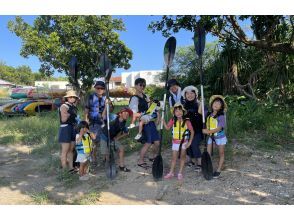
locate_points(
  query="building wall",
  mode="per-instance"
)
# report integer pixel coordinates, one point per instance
(52, 84)
(151, 77)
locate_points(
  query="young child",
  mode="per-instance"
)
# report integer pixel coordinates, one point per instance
(151, 114)
(117, 131)
(215, 124)
(180, 126)
(83, 148)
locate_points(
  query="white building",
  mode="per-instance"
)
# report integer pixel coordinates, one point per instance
(152, 77)
(52, 84)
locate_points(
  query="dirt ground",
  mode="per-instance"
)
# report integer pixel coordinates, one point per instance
(249, 177)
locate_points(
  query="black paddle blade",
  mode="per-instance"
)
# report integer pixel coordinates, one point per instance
(111, 170)
(105, 66)
(169, 50)
(206, 164)
(73, 67)
(199, 40)
(157, 168)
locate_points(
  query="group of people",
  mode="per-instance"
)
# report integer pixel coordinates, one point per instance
(87, 136)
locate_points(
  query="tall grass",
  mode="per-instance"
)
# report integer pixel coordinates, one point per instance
(262, 125)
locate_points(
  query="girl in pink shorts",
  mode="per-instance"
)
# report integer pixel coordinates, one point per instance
(180, 128)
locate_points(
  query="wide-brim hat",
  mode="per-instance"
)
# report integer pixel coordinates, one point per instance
(126, 110)
(177, 105)
(189, 88)
(212, 98)
(71, 93)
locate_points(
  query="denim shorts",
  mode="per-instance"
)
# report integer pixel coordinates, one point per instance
(66, 133)
(220, 141)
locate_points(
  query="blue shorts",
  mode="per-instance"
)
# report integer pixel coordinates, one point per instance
(96, 129)
(66, 134)
(150, 132)
(220, 141)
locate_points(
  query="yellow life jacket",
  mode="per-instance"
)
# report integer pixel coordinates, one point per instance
(87, 143)
(179, 129)
(212, 123)
(151, 108)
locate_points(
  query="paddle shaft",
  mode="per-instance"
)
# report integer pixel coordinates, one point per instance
(163, 110)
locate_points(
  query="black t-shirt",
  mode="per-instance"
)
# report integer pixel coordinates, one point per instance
(115, 128)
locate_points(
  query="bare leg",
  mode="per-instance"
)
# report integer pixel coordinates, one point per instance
(70, 155)
(63, 157)
(121, 154)
(173, 162)
(82, 169)
(183, 159)
(143, 152)
(209, 148)
(94, 152)
(141, 124)
(221, 149)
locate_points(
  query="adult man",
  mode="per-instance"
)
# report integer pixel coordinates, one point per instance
(94, 107)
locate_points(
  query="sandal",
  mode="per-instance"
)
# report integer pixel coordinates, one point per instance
(151, 159)
(143, 165)
(124, 169)
(190, 164)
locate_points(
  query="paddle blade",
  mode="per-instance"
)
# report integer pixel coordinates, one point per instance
(111, 170)
(199, 40)
(157, 168)
(73, 66)
(105, 66)
(206, 164)
(169, 50)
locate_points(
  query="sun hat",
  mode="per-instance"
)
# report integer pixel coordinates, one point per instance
(126, 110)
(177, 105)
(71, 93)
(212, 98)
(189, 88)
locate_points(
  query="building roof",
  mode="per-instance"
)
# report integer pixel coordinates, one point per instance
(115, 79)
(3, 82)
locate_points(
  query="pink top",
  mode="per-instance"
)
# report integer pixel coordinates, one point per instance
(189, 126)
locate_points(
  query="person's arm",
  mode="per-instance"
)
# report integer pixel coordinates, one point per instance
(64, 113)
(78, 138)
(190, 127)
(93, 136)
(120, 135)
(169, 125)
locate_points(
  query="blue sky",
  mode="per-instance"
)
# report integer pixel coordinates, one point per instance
(147, 47)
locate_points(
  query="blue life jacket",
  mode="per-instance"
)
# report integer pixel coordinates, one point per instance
(96, 108)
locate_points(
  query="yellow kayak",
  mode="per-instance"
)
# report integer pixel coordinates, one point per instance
(33, 108)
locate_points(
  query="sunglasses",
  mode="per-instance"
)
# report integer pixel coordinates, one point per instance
(70, 97)
(142, 85)
(99, 88)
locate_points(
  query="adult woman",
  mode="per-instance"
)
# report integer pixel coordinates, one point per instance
(67, 133)
(192, 105)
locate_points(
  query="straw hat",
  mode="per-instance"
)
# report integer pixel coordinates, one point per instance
(178, 104)
(189, 88)
(212, 98)
(71, 93)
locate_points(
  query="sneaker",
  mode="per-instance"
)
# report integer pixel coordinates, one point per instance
(131, 126)
(180, 176)
(83, 178)
(216, 175)
(138, 136)
(198, 168)
(168, 176)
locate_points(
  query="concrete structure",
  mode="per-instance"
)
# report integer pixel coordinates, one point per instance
(5, 84)
(115, 82)
(152, 77)
(52, 84)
